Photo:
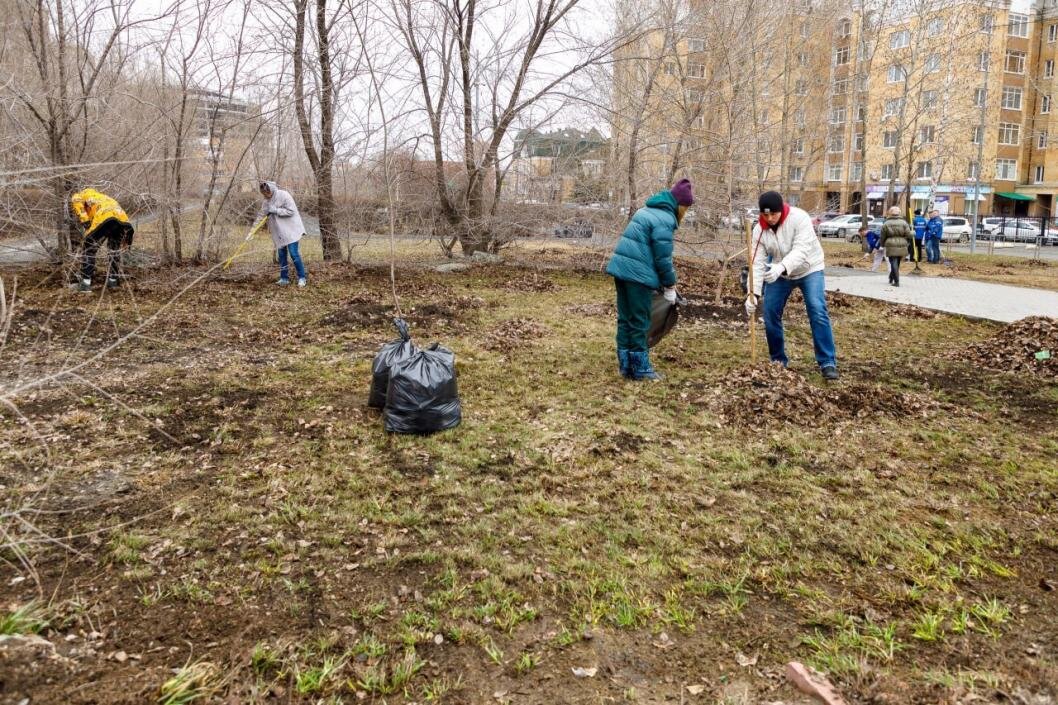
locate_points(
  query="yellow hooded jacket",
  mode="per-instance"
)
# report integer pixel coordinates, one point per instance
(95, 208)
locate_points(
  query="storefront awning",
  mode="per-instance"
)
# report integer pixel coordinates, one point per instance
(1016, 196)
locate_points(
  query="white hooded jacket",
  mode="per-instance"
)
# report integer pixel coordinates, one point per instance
(284, 221)
(794, 244)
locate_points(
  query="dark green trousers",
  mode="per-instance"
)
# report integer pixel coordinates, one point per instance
(633, 315)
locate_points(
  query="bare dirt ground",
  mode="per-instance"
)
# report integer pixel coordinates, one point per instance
(198, 505)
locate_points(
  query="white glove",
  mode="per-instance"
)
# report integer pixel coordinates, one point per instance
(670, 294)
(751, 304)
(774, 272)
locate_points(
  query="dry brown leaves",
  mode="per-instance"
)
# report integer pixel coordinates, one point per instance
(908, 311)
(1014, 348)
(530, 282)
(513, 334)
(768, 394)
(608, 310)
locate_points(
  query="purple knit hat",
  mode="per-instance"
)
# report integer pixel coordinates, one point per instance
(682, 192)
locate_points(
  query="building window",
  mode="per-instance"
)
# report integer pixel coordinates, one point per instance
(988, 23)
(929, 100)
(804, 30)
(857, 142)
(1015, 62)
(801, 87)
(975, 135)
(834, 172)
(861, 113)
(1041, 140)
(924, 170)
(699, 123)
(1052, 32)
(889, 139)
(1010, 133)
(979, 98)
(935, 27)
(837, 116)
(696, 70)
(841, 56)
(984, 60)
(797, 174)
(856, 171)
(845, 28)
(799, 146)
(694, 96)
(1006, 169)
(1011, 98)
(1037, 176)
(836, 143)
(863, 50)
(926, 134)
(973, 171)
(670, 68)
(899, 40)
(861, 84)
(695, 45)
(841, 86)
(799, 117)
(802, 58)
(1019, 25)
(896, 73)
(893, 107)
(1048, 68)
(887, 172)
(1045, 105)
(932, 63)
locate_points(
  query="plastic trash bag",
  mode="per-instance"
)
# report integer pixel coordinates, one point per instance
(663, 318)
(391, 353)
(422, 396)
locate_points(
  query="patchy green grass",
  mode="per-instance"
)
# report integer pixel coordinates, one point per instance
(572, 519)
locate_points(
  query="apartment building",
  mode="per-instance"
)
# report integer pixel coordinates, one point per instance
(945, 104)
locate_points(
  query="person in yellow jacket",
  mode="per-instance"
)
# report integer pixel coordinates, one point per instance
(103, 219)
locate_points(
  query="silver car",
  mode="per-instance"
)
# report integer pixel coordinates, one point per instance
(844, 226)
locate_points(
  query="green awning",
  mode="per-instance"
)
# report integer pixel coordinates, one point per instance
(1016, 196)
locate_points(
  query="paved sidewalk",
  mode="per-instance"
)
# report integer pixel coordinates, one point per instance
(994, 302)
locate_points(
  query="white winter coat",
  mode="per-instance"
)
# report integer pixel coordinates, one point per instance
(284, 221)
(794, 244)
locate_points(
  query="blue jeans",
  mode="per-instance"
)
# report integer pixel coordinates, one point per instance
(813, 289)
(932, 250)
(294, 255)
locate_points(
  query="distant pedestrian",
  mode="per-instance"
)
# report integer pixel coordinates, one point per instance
(874, 250)
(102, 219)
(914, 249)
(286, 228)
(786, 255)
(896, 233)
(642, 264)
(934, 236)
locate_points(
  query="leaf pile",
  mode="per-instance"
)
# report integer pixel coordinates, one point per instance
(1014, 348)
(908, 311)
(770, 394)
(512, 334)
(531, 282)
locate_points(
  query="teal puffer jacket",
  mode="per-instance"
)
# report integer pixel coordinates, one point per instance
(644, 253)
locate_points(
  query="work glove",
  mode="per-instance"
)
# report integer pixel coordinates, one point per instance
(670, 294)
(774, 272)
(751, 304)
(273, 211)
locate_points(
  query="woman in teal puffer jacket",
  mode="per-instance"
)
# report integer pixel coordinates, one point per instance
(642, 264)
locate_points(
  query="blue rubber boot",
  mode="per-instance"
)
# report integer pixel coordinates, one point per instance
(641, 367)
(624, 365)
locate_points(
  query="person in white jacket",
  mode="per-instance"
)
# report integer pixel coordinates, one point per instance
(285, 227)
(786, 255)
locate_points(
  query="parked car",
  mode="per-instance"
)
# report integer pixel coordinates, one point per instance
(956, 229)
(823, 217)
(843, 226)
(739, 218)
(1025, 231)
(987, 226)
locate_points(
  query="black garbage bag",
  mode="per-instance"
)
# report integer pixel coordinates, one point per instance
(391, 353)
(422, 396)
(663, 318)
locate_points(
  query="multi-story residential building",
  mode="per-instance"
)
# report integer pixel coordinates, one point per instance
(547, 167)
(926, 103)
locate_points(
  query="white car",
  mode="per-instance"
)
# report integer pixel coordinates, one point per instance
(956, 230)
(738, 219)
(844, 226)
(987, 226)
(1025, 231)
